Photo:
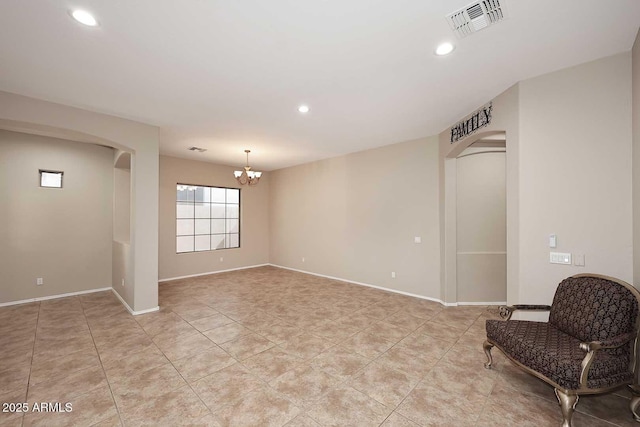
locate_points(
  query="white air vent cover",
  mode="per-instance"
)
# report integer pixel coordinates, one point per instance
(476, 16)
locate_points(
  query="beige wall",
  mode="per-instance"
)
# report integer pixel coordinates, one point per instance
(575, 173)
(62, 235)
(568, 168)
(568, 173)
(636, 157)
(481, 225)
(29, 115)
(122, 197)
(254, 225)
(122, 267)
(355, 217)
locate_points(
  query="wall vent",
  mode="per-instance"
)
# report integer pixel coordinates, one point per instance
(476, 16)
(198, 149)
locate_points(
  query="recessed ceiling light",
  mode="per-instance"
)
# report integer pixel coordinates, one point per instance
(303, 109)
(84, 17)
(444, 49)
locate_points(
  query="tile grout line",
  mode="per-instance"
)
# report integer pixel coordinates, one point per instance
(472, 331)
(33, 353)
(214, 343)
(334, 345)
(169, 360)
(450, 348)
(180, 373)
(499, 374)
(373, 360)
(239, 361)
(422, 378)
(115, 403)
(73, 352)
(486, 400)
(385, 352)
(343, 382)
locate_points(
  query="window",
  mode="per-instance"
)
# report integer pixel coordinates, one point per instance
(50, 179)
(207, 218)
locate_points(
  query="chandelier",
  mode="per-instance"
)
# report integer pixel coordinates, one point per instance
(247, 176)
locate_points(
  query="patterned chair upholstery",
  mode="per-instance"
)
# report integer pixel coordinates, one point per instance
(588, 346)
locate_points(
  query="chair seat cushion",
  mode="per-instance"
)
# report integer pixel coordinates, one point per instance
(545, 349)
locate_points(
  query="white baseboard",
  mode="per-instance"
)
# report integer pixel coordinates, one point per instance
(135, 313)
(483, 303)
(446, 304)
(69, 294)
(212, 272)
(395, 291)
(72, 294)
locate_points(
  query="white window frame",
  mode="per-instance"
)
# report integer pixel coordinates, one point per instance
(208, 215)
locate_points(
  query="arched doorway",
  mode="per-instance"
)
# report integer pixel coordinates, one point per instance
(449, 272)
(481, 223)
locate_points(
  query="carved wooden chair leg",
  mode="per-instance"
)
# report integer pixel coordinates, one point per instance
(633, 404)
(568, 403)
(635, 401)
(487, 346)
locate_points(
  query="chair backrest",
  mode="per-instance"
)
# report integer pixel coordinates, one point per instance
(594, 308)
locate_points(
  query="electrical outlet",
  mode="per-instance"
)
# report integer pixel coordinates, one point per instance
(123, 282)
(39, 281)
(302, 259)
(221, 259)
(393, 274)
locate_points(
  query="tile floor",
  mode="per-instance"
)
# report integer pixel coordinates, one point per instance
(270, 347)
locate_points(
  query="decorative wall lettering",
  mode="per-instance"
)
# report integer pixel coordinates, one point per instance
(477, 120)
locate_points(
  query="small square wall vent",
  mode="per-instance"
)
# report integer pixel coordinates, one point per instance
(476, 16)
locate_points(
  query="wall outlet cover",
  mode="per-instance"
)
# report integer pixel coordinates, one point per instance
(559, 258)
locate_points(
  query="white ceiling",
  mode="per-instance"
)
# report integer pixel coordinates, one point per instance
(229, 75)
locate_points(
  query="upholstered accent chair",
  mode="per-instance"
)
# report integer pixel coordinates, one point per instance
(589, 345)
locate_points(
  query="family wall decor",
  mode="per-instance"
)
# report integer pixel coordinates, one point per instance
(477, 120)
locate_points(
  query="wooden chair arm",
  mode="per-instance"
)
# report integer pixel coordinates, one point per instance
(591, 348)
(506, 311)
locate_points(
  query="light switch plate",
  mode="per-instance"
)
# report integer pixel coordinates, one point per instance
(578, 260)
(559, 258)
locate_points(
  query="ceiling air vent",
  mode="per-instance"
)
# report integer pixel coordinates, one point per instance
(198, 149)
(476, 16)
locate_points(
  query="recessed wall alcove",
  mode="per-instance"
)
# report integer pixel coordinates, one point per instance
(136, 234)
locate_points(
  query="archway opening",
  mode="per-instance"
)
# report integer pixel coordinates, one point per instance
(481, 222)
(491, 141)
